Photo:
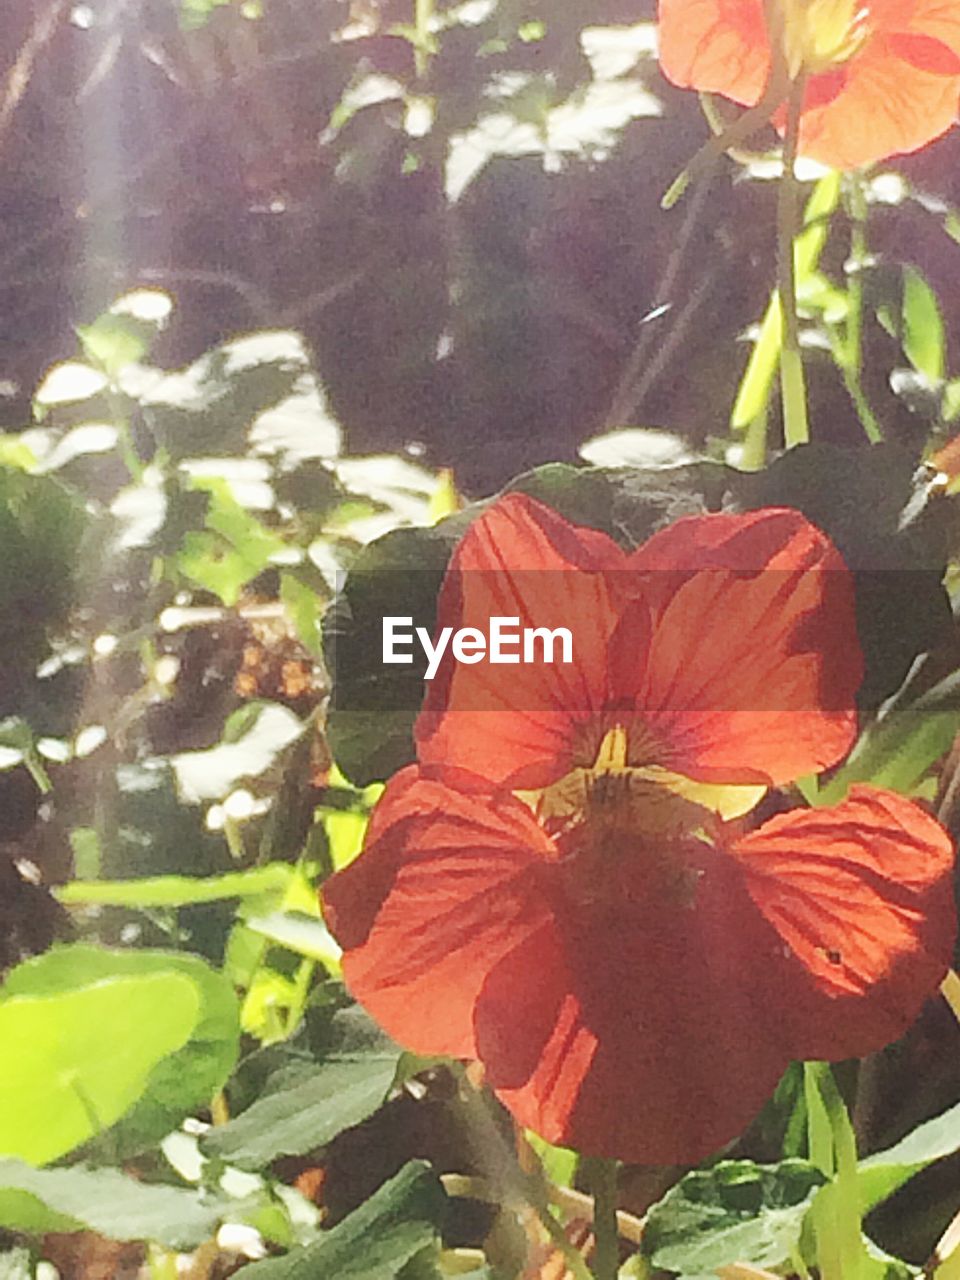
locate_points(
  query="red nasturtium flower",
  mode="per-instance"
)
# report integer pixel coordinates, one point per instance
(568, 887)
(883, 76)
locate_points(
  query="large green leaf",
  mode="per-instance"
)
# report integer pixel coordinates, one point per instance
(257, 388)
(376, 1241)
(737, 1211)
(187, 1075)
(306, 1102)
(80, 1059)
(35, 1201)
(882, 1174)
(923, 330)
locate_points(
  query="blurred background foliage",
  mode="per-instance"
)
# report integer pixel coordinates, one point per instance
(288, 287)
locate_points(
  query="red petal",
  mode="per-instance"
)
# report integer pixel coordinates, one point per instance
(754, 661)
(521, 725)
(862, 898)
(716, 46)
(641, 1037)
(936, 19)
(899, 93)
(447, 884)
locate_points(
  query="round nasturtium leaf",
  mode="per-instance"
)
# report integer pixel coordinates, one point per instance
(74, 1062)
(179, 1082)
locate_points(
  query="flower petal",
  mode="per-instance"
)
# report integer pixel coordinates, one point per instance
(862, 898)
(521, 725)
(716, 46)
(754, 662)
(937, 19)
(446, 885)
(899, 93)
(641, 1037)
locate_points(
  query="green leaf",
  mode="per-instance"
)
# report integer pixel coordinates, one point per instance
(305, 1102)
(882, 1174)
(68, 383)
(303, 607)
(114, 341)
(214, 773)
(376, 1241)
(899, 749)
(84, 1057)
(232, 550)
(737, 1211)
(923, 333)
(79, 1198)
(231, 397)
(187, 1077)
(269, 883)
(297, 932)
(559, 1163)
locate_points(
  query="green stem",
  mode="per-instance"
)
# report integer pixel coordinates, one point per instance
(796, 427)
(754, 457)
(853, 347)
(602, 1180)
(571, 1254)
(858, 257)
(422, 17)
(836, 1214)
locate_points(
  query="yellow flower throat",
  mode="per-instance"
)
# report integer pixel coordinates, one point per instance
(819, 35)
(618, 796)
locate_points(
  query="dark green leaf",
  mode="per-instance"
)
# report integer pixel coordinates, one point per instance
(36, 1201)
(376, 1241)
(306, 1103)
(735, 1212)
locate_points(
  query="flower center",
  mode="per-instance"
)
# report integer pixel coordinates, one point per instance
(616, 809)
(819, 35)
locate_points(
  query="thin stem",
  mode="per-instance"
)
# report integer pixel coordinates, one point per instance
(846, 1194)
(853, 346)
(571, 1254)
(796, 427)
(464, 1186)
(602, 1179)
(741, 130)
(422, 17)
(754, 457)
(858, 257)
(836, 1211)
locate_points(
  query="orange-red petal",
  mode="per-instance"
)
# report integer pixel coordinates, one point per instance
(896, 94)
(716, 46)
(520, 725)
(753, 660)
(649, 1019)
(899, 93)
(861, 896)
(445, 886)
(631, 1029)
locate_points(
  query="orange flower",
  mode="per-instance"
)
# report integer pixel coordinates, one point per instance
(566, 886)
(883, 76)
